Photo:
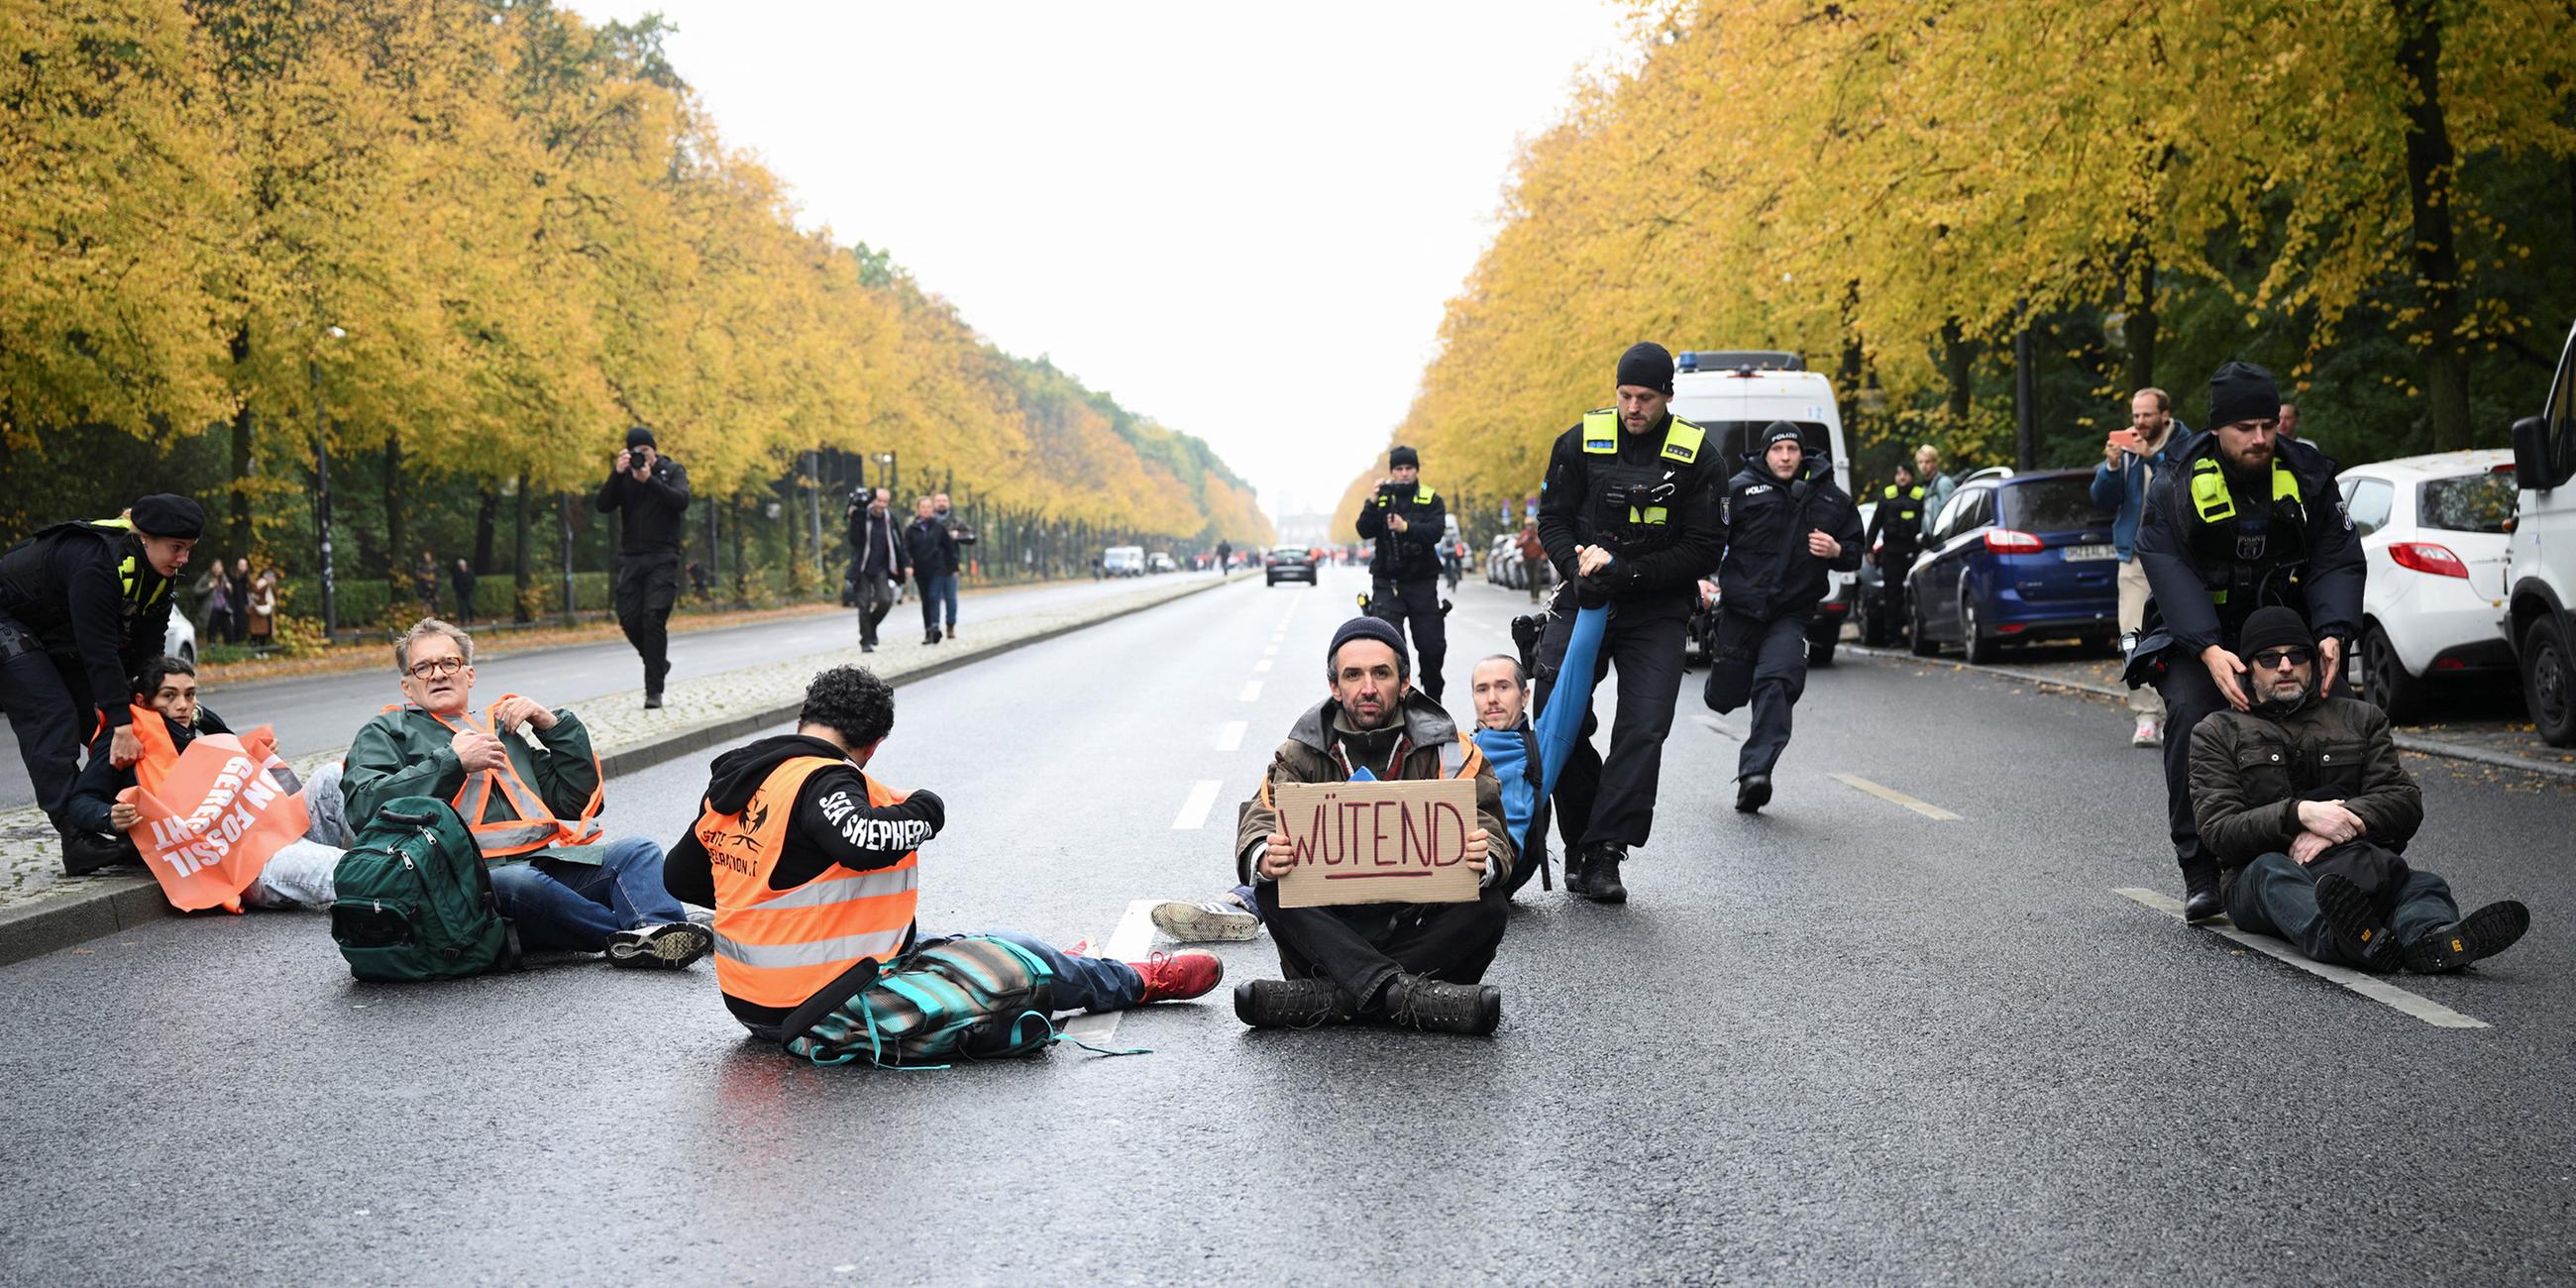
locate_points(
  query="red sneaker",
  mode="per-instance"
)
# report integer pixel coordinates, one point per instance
(1178, 977)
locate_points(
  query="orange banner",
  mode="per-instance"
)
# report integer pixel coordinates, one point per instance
(215, 820)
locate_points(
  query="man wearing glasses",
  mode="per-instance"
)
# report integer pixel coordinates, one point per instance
(2235, 523)
(2303, 803)
(530, 805)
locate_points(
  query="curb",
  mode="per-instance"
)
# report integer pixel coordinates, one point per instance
(2405, 741)
(122, 903)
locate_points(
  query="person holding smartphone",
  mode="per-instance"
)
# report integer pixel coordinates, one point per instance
(2130, 459)
(652, 490)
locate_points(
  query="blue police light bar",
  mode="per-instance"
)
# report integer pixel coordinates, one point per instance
(1739, 360)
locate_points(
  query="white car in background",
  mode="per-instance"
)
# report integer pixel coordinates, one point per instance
(2433, 529)
(180, 641)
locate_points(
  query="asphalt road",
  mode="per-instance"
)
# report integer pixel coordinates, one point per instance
(1839, 1042)
(315, 712)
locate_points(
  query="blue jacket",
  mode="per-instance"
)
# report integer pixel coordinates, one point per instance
(2125, 489)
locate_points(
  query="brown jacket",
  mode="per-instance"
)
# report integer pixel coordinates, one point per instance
(2249, 773)
(1431, 749)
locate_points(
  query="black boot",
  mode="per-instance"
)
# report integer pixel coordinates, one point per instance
(2358, 929)
(1594, 873)
(930, 636)
(2200, 898)
(2484, 933)
(1290, 1003)
(1752, 792)
(1419, 1002)
(87, 852)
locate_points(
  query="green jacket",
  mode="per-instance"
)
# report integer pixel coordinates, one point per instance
(406, 753)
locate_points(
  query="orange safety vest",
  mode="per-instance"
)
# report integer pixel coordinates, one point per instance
(780, 947)
(531, 824)
(152, 729)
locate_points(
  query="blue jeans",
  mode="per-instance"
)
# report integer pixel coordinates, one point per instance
(947, 593)
(937, 591)
(1082, 983)
(560, 905)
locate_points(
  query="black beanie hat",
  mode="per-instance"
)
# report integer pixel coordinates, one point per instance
(1369, 628)
(2242, 391)
(1782, 430)
(640, 437)
(2273, 627)
(1403, 456)
(1647, 366)
(165, 514)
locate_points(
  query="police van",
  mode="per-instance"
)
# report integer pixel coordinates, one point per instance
(1735, 395)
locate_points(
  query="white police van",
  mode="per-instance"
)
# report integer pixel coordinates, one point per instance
(2540, 557)
(1735, 395)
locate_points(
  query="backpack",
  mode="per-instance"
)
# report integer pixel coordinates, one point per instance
(971, 997)
(414, 901)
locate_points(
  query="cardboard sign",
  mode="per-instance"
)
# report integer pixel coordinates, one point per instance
(215, 820)
(1392, 842)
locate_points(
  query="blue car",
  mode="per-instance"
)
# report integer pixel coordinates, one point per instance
(2016, 558)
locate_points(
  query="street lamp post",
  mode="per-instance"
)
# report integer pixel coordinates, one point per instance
(322, 492)
(893, 476)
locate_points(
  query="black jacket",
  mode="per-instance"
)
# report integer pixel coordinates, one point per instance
(654, 508)
(878, 544)
(1768, 573)
(2249, 772)
(930, 548)
(1413, 554)
(63, 584)
(833, 825)
(2171, 552)
(1655, 572)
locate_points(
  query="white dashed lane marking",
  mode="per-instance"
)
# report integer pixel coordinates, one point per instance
(2370, 986)
(1133, 938)
(1925, 808)
(1252, 691)
(1194, 811)
(1229, 736)
(1262, 665)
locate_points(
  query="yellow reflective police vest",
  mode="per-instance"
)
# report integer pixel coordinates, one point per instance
(126, 571)
(1682, 441)
(2211, 500)
(1913, 494)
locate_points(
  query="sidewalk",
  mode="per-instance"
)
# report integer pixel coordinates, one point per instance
(2506, 743)
(42, 910)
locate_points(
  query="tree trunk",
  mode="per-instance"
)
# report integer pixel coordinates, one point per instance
(240, 501)
(484, 517)
(1959, 367)
(1848, 374)
(2141, 326)
(741, 566)
(522, 559)
(395, 545)
(2432, 173)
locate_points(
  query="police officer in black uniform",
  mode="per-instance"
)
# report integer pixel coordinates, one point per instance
(653, 490)
(1785, 524)
(1628, 513)
(1894, 539)
(1407, 521)
(83, 606)
(2239, 522)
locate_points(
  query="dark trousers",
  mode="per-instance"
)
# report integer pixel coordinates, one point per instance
(1362, 947)
(1417, 602)
(49, 708)
(2189, 694)
(876, 599)
(2275, 896)
(935, 587)
(1779, 680)
(1612, 801)
(1893, 565)
(646, 586)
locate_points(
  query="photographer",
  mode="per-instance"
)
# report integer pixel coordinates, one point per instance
(1407, 521)
(878, 561)
(653, 491)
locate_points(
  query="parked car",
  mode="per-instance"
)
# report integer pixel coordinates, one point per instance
(1735, 395)
(1290, 563)
(2433, 530)
(1123, 561)
(1161, 561)
(2016, 558)
(2540, 558)
(1503, 561)
(180, 641)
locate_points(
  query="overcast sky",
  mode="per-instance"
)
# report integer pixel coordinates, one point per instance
(1241, 221)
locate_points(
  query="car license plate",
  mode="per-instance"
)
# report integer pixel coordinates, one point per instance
(2076, 553)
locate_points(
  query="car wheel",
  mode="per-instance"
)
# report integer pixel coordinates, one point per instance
(2384, 681)
(1918, 640)
(2549, 681)
(188, 653)
(1973, 644)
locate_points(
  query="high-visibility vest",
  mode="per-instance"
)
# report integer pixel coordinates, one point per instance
(780, 947)
(531, 824)
(2223, 570)
(1682, 441)
(160, 751)
(127, 571)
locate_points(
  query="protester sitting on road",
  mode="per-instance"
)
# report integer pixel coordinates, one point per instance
(1415, 965)
(529, 805)
(167, 717)
(2306, 807)
(812, 868)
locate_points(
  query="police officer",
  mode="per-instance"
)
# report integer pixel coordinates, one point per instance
(1628, 513)
(1407, 521)
(653, 491)
(1894, 538)
(83, 606)
(1785, 524)
(2238, 522)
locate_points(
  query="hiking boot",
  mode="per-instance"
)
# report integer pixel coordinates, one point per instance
(2200, 897)
(2147, 734)
(2358, 931)
(652, 702)
(668, 946)
(1596, 877)
(1177, 977)
(1217, 921)
(930, 636)
(2484, 933)
(952, 632)
(1434, 1006)
(1752, 792)
(87, 852)
(1290, 1003)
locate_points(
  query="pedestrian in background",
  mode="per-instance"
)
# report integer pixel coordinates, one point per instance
(2131, 460)
(263, 607)
(463, 579)
(1893, 539)
(959, 537)
(239, 627)
(878, 560)
(1407, 520)
(217, 605)
(424, 580)
(1533, 551)
(931, 549)
(1937, 486)
(652, 491)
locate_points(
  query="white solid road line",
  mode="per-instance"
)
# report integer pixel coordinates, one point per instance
(2370, 986)
(1133, 938)
(1252, 691)
(1194, 811)
(1925, 808)
(1229, 736)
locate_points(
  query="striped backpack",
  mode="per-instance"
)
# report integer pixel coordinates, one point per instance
(971, 997)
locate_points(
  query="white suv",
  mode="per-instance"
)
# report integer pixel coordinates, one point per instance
(2433, 530)
(2540, 557)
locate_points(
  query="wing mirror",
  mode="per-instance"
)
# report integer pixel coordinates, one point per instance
(2531, 461)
